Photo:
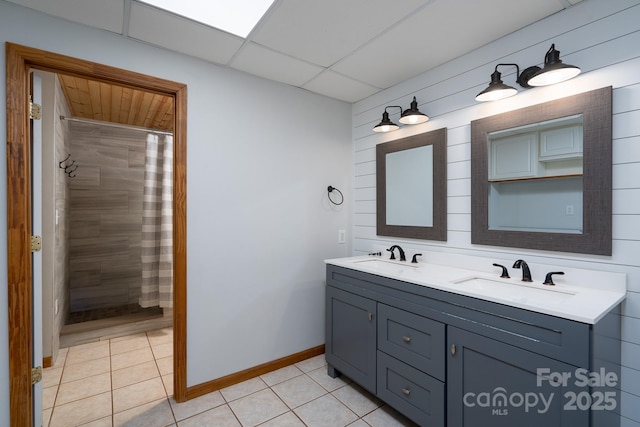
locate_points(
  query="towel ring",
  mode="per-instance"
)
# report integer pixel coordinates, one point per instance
(329, 190)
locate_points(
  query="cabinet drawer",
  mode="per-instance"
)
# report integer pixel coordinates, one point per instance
(415, 340)
(415, 394)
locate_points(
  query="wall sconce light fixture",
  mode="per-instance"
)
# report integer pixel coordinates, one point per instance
(410, 116)
(554, 71)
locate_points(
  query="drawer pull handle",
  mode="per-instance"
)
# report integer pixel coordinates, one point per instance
(453, 349)
(406, 339)
(406, 391)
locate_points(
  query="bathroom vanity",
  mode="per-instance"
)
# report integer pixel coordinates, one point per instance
(448, 346)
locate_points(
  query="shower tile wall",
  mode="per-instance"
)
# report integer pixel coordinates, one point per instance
(106, 216)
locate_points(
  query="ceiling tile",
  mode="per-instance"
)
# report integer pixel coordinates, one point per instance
(340, 87)
(174, 32)
(322, 32)
(425, 40)
(272, 65)
(343, 49)
(105, 14)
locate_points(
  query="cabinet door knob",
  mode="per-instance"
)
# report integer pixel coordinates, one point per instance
(370, 317)
(406, 391)
(406, 339)
(453, 349)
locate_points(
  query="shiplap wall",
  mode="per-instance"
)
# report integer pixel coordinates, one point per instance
(600, 36)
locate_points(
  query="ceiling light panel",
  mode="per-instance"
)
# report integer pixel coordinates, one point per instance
(236, 17)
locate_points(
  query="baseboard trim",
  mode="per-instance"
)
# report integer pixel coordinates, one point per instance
(247, 374)
(47, 362)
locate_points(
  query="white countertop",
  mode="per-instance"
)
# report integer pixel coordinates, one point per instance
(586, 304)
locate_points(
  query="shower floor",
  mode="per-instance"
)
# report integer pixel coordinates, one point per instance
(95, 325)
(107, 313)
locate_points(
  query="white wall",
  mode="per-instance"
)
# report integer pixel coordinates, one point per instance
(258, 221)
(600, 36)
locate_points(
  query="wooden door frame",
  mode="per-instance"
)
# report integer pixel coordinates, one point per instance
(19, 60)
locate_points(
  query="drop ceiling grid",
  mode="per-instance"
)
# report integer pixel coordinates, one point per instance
(330, 47)
(337, 86)
(324, 32)
(103, 14)
(425, 40)
(472, 71)
(179, 34)
(258, 60)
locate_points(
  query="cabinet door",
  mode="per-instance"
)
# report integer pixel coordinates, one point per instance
(490, 383)
(351, 336)
(561, 143)
(513, 157)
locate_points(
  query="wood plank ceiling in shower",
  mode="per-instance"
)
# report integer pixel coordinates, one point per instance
(90, 99)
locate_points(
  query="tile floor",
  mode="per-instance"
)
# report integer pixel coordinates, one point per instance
(128, 381)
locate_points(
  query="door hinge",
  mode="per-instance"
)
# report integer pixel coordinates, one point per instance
(36, 375)
(34, 111)
(36, 243)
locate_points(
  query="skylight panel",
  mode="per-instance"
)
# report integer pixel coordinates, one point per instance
(233, 16)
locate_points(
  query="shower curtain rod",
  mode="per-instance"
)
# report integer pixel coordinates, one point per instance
(117, 125)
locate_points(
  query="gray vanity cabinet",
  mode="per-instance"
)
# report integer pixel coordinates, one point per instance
(351, 323)
(490, 383)
(444, 359)
(411, 364)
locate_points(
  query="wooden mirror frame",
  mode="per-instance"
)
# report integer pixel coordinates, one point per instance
(595, 107)
(437, 139)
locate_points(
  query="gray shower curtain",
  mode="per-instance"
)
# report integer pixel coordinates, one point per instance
(157, 223)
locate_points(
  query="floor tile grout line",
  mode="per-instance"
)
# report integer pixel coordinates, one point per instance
(226, 402)
(166, 392)
(113, 421)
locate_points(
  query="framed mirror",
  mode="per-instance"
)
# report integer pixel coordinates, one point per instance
(411, 187)
(541, 176)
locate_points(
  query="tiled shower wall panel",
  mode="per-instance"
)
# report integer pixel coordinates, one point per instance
(106, 216)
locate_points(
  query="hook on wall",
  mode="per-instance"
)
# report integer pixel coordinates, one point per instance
(66, 166)
(330, 190)
(64, 161)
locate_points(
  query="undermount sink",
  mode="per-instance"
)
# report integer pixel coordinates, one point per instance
(388, 266)
(515, 291)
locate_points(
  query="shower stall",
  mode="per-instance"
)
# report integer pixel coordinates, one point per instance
(119, 230)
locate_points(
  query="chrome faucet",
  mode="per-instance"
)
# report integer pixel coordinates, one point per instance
(526, 273)
(402, 255)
